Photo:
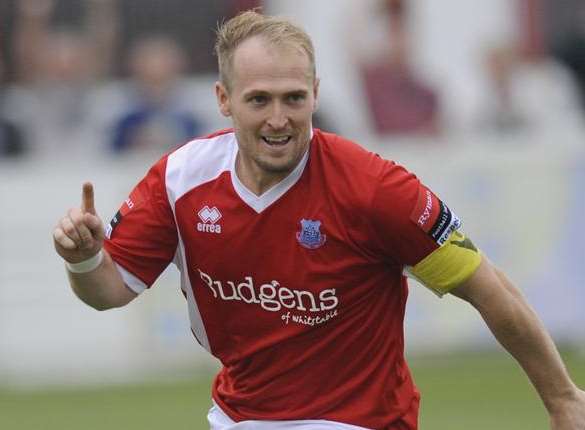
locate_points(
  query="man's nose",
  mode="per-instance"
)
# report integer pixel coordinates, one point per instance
(278, 118)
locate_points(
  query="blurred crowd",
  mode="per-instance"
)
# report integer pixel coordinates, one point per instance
(117, 76)
(104, 75)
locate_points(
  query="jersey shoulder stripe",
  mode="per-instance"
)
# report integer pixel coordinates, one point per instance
(198, 162)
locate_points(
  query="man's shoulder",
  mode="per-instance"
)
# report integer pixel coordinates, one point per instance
(205, 150)
(348, 156)
(353, 175)
(331, 140)
(198, 161)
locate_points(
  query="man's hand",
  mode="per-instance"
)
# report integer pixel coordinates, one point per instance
(79, 235)
(570, 415)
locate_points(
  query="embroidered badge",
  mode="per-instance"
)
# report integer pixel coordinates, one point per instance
(310, 236)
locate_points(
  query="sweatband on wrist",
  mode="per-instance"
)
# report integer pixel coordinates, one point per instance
(86, 266)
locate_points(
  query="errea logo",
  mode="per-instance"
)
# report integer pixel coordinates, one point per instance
(209, 216)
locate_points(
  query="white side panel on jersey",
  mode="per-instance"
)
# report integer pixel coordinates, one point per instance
(197, 163)
(192, 165)
(131, 281)
(194, 315)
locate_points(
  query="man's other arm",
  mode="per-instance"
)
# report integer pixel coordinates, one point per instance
(519, 330)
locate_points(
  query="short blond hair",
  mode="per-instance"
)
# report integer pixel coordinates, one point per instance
(276, 30)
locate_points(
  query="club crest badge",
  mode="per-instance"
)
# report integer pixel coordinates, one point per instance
(310, 236)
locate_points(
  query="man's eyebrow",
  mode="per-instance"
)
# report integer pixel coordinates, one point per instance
(253, 93)
(296, 92)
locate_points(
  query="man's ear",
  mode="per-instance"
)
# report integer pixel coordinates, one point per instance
(223, 99)
(316, 94)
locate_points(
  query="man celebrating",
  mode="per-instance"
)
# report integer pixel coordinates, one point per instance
(292, 244)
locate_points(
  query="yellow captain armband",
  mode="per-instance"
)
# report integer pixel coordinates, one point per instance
(448, 266)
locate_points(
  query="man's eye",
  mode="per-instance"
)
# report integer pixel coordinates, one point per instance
(258, 100)
(296, 98)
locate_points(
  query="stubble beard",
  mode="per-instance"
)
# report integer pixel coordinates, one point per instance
(276, 168)
(280, 167)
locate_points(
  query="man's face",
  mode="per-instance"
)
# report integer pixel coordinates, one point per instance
(271, 101)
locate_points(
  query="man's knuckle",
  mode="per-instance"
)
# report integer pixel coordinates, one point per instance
(86, 238)
(69, 229)
(77, 219)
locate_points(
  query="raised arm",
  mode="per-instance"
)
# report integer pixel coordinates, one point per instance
(78, 239)
(519, 330)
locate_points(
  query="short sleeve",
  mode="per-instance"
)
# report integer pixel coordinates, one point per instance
(401, 226)
(418, 231)
(142, 236)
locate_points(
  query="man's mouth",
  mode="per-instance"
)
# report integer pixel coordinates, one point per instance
(276, 140)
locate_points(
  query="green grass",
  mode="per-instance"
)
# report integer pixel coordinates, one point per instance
(173, 406)
(482, 392)
(477, 391)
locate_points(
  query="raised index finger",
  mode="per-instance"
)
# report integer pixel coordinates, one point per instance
(87, 204)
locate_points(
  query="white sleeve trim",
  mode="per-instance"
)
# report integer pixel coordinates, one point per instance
(131, 280)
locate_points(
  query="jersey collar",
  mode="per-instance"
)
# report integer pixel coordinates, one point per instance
(261, 202)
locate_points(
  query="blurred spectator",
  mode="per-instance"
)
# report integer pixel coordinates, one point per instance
(191, 23)
(564, 33)
(49, 43)
(158, 113)
(56, 71)
(11, 137)
(399, 101)
(529, 88)
(237, 6)
(11, 140)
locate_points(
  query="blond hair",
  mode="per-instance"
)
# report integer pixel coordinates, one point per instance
(275, 30)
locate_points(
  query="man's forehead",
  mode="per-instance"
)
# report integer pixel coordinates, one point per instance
(258, 50)
(257, 60)
(265, 43)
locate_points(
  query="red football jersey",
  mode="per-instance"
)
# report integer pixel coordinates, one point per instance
(300, 291)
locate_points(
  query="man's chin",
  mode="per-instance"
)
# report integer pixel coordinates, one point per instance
(278, 167)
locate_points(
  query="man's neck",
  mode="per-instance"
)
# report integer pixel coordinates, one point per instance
(256, 180)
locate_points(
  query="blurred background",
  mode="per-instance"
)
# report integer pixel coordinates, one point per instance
(485, 101)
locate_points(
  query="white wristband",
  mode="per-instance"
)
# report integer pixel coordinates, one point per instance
(87, 265)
